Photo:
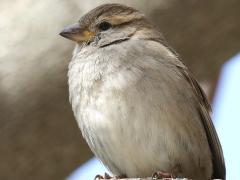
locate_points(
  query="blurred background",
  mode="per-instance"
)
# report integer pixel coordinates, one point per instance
(38, 134)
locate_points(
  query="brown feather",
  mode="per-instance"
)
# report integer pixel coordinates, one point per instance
(204, 108)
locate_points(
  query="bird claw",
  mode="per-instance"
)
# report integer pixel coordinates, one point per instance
(98, 177)
(161, 174)
(107, 176)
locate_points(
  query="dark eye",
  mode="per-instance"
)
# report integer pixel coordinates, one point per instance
(103, 26)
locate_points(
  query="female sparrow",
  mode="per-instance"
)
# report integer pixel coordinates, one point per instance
(136, 103)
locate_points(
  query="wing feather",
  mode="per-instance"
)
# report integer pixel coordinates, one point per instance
(204, 109)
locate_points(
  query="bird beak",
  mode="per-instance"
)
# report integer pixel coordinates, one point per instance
(75, 33)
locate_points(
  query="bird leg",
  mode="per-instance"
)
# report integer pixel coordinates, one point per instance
(161, 174)
(107, 176)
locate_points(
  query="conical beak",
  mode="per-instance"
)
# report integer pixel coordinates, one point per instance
(76, 33)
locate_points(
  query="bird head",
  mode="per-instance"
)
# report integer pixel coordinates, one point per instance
(107, 24)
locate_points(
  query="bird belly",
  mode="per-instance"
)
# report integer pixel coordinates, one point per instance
(117, 136)
(131, 137)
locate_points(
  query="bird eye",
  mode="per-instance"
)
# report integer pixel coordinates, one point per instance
(103, 26)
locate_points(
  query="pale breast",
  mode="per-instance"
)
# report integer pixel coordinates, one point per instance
(127, 106)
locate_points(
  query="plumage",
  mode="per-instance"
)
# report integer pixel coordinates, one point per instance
(136, 103)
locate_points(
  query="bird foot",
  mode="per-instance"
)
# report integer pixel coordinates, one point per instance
(107, 176)
(161, 174)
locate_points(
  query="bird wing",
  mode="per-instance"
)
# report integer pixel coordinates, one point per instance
(204, 109)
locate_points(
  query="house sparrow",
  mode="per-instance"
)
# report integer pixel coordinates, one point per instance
(136, 103)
